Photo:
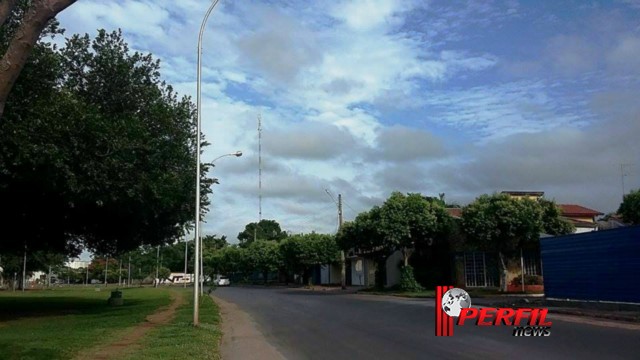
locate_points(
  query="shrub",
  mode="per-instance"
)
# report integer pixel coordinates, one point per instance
(528, 279)
(408, 281)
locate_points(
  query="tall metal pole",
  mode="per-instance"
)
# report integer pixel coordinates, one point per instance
(622, 177)
(157, 264)
(129, 273)
(24, 269)
(120, 273)
(196, 292)
(343, 275)
(86, 278)
(185, 261)
(201, 267)
(106, 271)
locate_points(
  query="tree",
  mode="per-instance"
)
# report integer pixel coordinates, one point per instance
(630, 207)
(97, 269)
(411, 220)
(263, 256)
(163, 274)
(228, 260)
(553, 223)
(264, 230)
(301, 252)
(502, 224)
(116, 144)
(21, 23)
(403, 223)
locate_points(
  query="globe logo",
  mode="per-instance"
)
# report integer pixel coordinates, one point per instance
(454, 300)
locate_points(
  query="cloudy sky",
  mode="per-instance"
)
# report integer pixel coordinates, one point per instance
(366, 97)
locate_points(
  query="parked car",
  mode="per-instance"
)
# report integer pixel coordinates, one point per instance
(223, 281)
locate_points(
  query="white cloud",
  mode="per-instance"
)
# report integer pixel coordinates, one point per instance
(345, 83)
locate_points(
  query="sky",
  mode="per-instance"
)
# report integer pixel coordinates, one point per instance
(365, 97)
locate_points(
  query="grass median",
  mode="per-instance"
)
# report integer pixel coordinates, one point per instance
(180, 339)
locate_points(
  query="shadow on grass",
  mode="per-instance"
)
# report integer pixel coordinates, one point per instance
(14, 308)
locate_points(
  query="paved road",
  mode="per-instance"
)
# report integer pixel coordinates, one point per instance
(316, 325)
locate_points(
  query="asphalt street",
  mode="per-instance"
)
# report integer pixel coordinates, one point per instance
(303, 324)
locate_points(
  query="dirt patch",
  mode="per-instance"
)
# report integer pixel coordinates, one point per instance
(131, 338)
(241, 339)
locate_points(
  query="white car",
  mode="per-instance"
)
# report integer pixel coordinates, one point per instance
(223, 281)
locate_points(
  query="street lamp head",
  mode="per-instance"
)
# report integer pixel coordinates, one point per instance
(238, 153)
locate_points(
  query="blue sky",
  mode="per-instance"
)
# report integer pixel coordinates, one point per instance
(366, 97)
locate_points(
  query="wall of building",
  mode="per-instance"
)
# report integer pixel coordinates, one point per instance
(393, 264)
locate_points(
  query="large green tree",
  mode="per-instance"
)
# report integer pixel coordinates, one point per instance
(96, 151)
(630, 208)
(503, 224)
(263, 230)
(263, 256)
(403, 222)
(301, 252)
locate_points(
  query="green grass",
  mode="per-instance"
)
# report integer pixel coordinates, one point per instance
(59, 323)
(179, 339)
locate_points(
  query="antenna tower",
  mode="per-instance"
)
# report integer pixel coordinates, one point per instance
(259, 167)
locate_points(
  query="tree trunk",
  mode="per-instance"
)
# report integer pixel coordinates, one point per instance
(503, 273)
(406, 254)
(35, 20)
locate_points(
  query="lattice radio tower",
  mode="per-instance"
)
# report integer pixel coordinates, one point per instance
(259, 168)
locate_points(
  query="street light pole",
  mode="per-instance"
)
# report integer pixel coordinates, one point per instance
(196, 292)
(236, 154)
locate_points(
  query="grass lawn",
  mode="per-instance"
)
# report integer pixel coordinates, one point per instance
(179, 339)
(58, 323)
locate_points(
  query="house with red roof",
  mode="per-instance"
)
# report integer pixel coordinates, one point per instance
(583, 218)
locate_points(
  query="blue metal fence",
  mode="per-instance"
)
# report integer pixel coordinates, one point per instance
(598, 266)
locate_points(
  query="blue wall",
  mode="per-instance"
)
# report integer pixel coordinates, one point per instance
(600, 265)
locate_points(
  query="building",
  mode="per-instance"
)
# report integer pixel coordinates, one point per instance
(531, 195)
(583, 218)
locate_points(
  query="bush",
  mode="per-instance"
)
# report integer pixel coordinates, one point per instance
(528, 279)
(408, 281)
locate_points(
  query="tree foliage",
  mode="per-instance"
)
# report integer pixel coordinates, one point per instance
(96, 151)
(263, 230)
(403, 222)
(552, 221)
(630, 207)
(503, 224)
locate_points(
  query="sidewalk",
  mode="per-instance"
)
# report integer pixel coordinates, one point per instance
(622, 312)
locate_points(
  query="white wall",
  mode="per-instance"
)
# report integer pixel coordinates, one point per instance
(393, 269)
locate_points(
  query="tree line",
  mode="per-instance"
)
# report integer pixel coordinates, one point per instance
(414, 222)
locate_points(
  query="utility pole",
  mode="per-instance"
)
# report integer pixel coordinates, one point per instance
(24, 270)
(49, 279)
(86, 279)
(343, 275)
(129, 273)
(185, 262)
(201, 267)
(120, 273)
(106, 271)
(157, 262)
(622, 175)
